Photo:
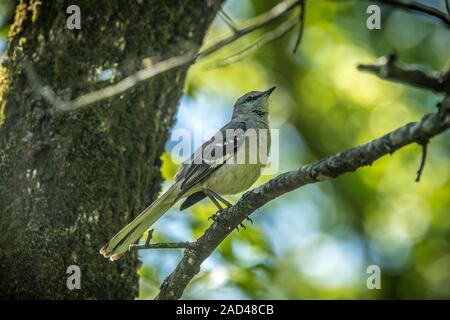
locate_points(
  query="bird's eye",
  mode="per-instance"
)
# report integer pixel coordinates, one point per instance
(249, 99)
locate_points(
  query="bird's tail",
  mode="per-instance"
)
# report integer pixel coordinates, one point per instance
(120, 243)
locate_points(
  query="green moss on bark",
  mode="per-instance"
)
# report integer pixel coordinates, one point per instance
(69, 181)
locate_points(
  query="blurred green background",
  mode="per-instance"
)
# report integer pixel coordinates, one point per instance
(317, 242)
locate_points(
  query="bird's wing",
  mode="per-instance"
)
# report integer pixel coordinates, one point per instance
(211, 155)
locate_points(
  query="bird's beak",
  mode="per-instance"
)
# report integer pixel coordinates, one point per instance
(268, 92)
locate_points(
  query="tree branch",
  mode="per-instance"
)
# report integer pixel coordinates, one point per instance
(37, 86)
(331, 167)
(128, 82)
(163, 66)
(388, 68)
(301, 18)
(163, 245)
(228, 20)
(281, 30)
(252, 25)
(419, 7)
(423, 160)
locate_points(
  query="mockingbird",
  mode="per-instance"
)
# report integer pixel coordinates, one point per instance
(221, 166)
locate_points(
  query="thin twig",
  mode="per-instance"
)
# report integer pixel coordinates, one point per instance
(37, 86)
(418, 7)
(166, 65)
(447, 6)
(164, 245)
(131, 81)
(422, 161)
(301, 17)
(252, 25)
(228, 20)
(107, 92)
(414, 6)
(388, 68)
(282, 29)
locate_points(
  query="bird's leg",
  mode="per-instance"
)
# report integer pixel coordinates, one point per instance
(215, 195)
(149, 237)
(213, 199)
(228, 21)
(214, 216)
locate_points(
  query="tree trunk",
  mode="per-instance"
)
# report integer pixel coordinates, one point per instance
(69, 181)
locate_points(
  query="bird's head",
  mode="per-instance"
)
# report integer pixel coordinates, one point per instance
(254, 102)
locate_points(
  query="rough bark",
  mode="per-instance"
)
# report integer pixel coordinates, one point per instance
(69, 181)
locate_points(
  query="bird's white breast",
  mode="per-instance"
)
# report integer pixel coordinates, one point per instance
(232, 178)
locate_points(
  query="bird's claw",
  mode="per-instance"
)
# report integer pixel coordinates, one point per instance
(241, 225)
(215, 217)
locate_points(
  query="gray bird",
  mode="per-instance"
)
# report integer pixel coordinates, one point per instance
(221, 166)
